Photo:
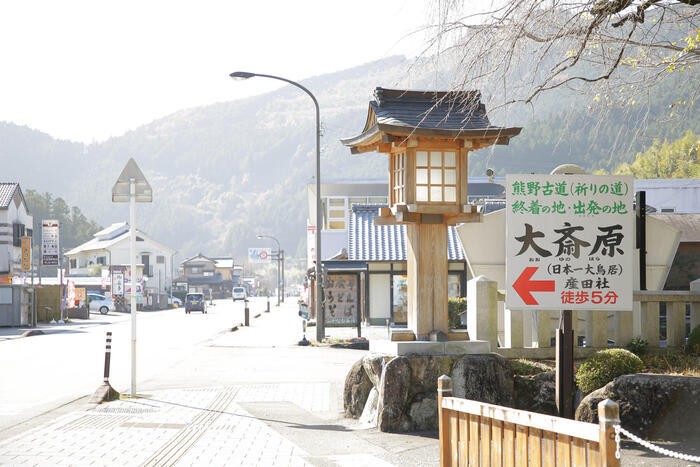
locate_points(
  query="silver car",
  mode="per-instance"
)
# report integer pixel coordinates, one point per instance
(100, 303)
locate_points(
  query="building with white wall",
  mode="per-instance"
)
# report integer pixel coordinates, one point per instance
(671, 195)
(15, 222)
(110, 247)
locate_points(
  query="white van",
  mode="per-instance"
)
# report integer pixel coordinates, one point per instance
(238, 293)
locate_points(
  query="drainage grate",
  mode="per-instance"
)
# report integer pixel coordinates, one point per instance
(95, 422)
(172, 426)
(106, 409)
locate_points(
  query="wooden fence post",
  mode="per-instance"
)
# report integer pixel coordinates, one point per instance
(444, 384)
(608, 417)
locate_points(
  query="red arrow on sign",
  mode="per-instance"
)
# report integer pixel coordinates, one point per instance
(523, 286)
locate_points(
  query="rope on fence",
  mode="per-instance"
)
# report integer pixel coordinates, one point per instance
(648, 445)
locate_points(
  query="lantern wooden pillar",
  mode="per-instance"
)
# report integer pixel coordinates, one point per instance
(427, 136)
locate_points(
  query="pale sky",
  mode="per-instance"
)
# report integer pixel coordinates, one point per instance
(89, 70)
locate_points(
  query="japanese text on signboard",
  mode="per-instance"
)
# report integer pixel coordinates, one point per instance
(569, 241)
(341, 300)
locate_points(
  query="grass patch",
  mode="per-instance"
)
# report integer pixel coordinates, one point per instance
(672, 363)
(525, 367)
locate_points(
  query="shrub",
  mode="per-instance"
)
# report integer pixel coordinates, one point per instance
(638, 346)
(604, 366)
(692, 347)
(455, 306)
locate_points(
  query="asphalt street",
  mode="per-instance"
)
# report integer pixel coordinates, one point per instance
(40, 373)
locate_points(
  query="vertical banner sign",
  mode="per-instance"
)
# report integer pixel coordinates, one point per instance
(70, 294)
(259, 255)
(49, 242)
(118, 284)
(26, 253)
(569, 242)
(341, 297)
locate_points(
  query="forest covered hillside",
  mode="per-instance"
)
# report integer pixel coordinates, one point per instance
(225, 172)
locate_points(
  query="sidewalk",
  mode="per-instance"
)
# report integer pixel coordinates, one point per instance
(250, 397)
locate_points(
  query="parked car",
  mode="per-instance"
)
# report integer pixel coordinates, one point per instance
(100, 303)
(195, 302)
(175, 302)
(238, 293)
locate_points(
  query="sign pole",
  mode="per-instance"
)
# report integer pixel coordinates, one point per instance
(565, 366)
(132, 187)
(132, 247)
(641, 214)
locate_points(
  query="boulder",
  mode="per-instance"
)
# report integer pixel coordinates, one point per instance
(357, 388)
(374, 364)
(393, 393)
(425, 371)
(483, 377)
(424, 413)
(369, 413)
(650, 405)
(535, 393)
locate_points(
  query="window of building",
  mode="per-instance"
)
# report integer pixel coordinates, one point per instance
(399, 308)
(377, 200)
(73, 263)
(436, 176)
(336, 210)
(398, 178)
(102, 260)
(18, 231)
(160, 259)
(454, 285)
(196, 270)
(208, 273)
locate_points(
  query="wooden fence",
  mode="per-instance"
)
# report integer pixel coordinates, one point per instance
(475, 433)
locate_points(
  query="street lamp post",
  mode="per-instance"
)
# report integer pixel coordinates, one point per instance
(280, 262)
(320, 321)
(131, 186)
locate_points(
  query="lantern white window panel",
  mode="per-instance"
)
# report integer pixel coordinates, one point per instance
(398, 178)
(436, 176)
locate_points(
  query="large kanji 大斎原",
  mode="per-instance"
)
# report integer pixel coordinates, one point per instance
(568, 244)
(528, 241)
(609, 241)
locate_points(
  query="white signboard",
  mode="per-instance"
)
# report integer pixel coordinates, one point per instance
(49, 242)
(118, 284)
(569, 242)
(259, 255)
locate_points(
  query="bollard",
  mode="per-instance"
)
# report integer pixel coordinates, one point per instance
(303, 341)
(268, 304)
(105, 392)
(108, 356)
(247, 313)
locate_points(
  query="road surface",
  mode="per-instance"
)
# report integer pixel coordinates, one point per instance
(40, 373)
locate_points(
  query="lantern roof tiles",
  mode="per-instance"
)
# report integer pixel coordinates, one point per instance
(457, 114)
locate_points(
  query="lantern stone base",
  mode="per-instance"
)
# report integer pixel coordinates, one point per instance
(450, 347)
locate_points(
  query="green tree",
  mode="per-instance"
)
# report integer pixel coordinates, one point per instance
(75, 227)
(678, 159)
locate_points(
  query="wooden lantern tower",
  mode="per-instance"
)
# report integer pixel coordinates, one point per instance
(428, 136)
